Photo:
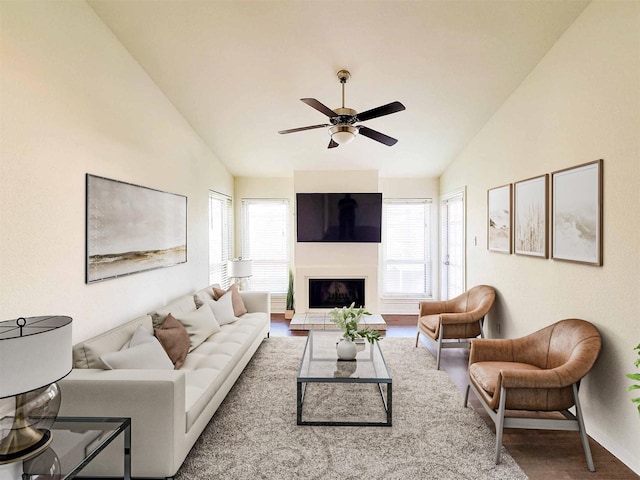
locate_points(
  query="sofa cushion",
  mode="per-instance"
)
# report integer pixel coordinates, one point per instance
(144, 352)
(209, 365)
(184, 304)
(174, 339)
(236, 300)
(222, 309)
(200, 324)
(87, 354)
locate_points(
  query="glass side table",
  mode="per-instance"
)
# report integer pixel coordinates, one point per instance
(76, 442)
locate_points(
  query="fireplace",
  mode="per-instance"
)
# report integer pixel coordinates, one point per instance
(336, 292)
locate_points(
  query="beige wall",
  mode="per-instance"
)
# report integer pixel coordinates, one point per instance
(75, 102)
(581, 103)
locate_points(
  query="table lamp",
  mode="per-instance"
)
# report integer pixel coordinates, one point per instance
(35, 352)
(239, 268)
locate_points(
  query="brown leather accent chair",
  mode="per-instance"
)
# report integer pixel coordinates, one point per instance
(539, 372)
(451, 323)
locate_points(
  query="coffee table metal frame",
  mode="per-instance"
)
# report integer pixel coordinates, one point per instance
(320, 358)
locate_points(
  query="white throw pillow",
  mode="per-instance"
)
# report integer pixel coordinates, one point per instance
(140, 336)
(223, 309)
(200, 324)
(146, 355)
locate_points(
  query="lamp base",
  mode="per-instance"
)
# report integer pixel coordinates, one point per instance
(12, 448)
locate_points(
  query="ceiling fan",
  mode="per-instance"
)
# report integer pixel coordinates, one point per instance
(342, 120)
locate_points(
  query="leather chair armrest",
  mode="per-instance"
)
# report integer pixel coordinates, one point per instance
(433, 307)
(532, 379)
(491, 350)
(454, 318)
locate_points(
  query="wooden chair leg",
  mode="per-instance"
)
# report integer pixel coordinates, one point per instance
(417, 338)
(500, 423)
(466, 395)
(583, 431)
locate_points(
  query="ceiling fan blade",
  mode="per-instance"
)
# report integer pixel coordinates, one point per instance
(322, 108)
(302, 129)
(332, 144)
(387, 109)
(377, 136)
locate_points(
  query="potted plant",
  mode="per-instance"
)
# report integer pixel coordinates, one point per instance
(289, 309)
(347, 319)
(636, 377)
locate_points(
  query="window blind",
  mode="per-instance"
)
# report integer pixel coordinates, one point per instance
(406, 248)
(220, 237)
(265, 240)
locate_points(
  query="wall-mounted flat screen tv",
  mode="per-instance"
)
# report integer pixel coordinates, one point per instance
(339, 217)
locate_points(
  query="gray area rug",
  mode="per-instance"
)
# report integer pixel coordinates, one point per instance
(254, 433)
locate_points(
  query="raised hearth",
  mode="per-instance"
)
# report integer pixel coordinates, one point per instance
(320, 321)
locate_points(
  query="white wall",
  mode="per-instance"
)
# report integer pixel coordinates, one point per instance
(581, 103)
(73, 101)
(324, 259)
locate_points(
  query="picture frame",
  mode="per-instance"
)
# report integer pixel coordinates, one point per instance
(132, 229)
(499, 201)
(576, 213)
(531, 216)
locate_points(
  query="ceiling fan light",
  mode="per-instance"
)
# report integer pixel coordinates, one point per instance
(343, 134)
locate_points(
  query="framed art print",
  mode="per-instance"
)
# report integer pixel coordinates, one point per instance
(576, 214)
(132, 229)
(499, 219)
(530, 216)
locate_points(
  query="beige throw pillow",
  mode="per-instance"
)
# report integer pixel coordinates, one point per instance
(174, 339)
(200, 325)
(236, 300)
(223, 309)
(144, 352)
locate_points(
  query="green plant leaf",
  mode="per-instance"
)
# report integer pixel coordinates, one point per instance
(634, 376)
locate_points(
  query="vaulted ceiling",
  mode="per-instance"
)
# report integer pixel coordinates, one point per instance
(236, 71)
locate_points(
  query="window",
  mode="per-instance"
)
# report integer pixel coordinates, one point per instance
(453, 252)
(406, 248)
(265, 240)
(220, 237)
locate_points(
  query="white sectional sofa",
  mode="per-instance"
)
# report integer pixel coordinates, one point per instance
(169, 408)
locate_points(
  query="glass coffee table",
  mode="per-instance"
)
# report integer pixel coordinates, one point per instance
(320, 364)
(76, 441)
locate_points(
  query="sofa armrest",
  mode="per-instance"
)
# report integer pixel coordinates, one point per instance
(153, 399)
(257, 301)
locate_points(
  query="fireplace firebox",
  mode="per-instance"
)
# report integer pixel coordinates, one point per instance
(336, 292)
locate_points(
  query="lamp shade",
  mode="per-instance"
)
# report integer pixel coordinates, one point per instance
(239, 268)
(34, 352)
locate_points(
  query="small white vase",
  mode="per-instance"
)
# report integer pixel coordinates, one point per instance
(347, 350)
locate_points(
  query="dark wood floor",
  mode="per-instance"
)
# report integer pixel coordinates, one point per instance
(541, 454)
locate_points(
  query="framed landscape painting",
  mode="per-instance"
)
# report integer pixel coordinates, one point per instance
(132, 229)
(576, 226)
(499, 219)
(531, 216)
